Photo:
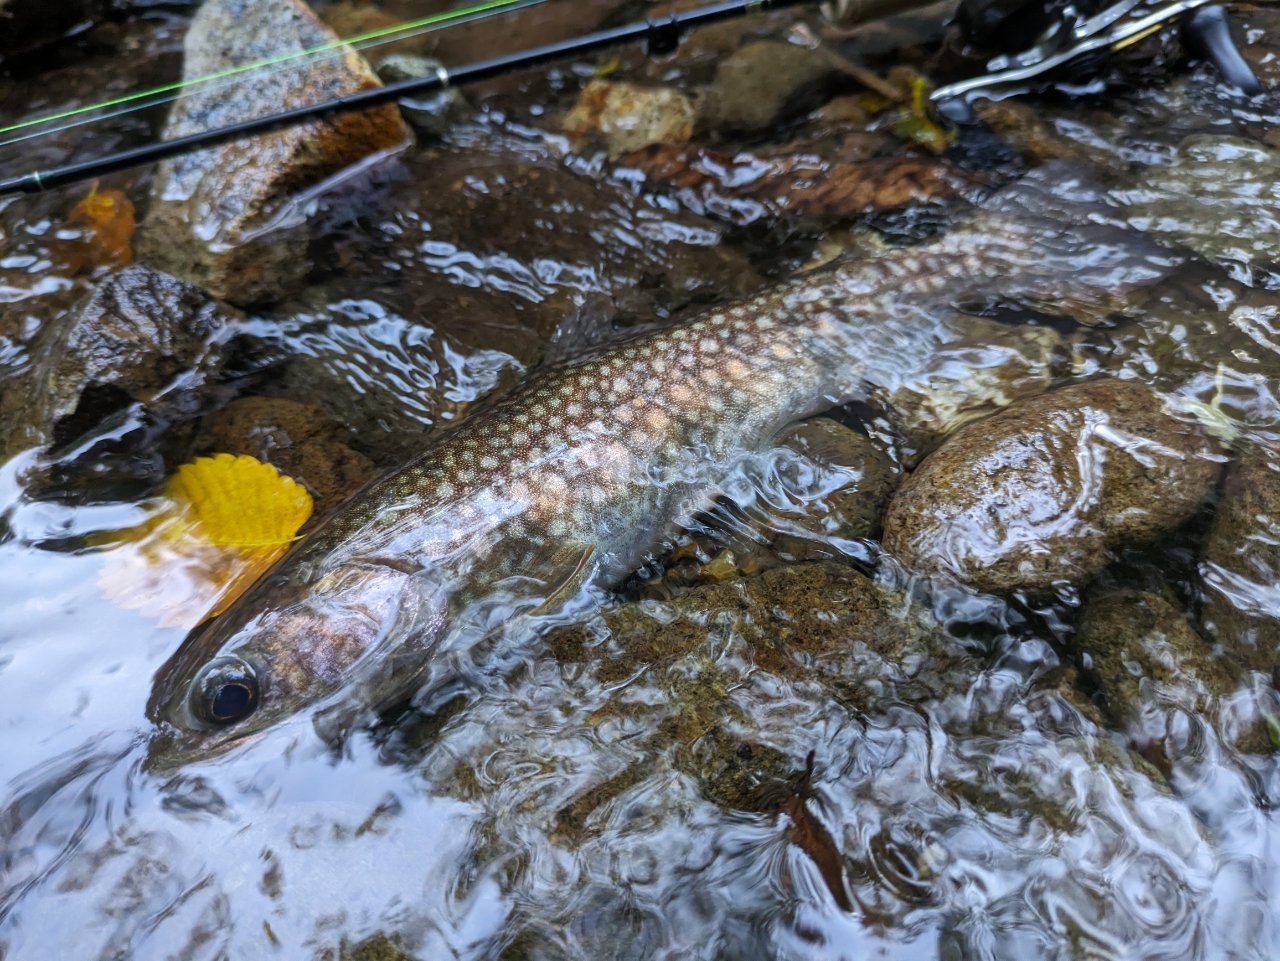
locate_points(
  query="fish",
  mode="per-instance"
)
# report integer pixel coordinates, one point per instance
(560, 489)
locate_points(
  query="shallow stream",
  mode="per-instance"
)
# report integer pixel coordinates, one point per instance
(772, 741)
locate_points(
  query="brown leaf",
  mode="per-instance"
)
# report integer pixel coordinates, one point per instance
(808, 834)
(745, 188)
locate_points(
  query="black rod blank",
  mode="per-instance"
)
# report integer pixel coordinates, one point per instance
(662, 36)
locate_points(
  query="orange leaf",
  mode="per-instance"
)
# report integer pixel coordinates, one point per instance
(106, 225)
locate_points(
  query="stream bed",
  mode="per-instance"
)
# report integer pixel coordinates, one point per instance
(979, 662)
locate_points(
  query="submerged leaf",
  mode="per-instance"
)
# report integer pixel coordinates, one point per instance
(106, 224)
(224, 521)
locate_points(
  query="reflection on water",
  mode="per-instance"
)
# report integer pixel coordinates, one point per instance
(751, 757)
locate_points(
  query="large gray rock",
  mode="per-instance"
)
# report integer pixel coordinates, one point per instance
(1241, 564)
(211, 211)
(139, 336)
(1043, 493)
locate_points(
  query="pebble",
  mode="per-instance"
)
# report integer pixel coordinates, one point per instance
(762, 83)
(627, 116)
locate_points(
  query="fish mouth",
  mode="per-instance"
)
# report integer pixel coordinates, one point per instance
(170, 748)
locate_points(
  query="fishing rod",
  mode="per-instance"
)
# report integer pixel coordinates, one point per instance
(1066, 39)
(219, 79)
(661, 36)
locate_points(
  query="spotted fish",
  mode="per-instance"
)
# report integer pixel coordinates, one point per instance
(561, 488)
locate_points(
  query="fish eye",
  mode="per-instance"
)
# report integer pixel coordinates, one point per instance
(226, 692)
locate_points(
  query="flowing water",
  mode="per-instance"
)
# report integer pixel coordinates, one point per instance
(828, 759)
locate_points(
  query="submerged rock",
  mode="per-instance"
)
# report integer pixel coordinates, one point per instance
(627, 116)
(979, 367)
(1241, 564)
(1220, 197)
(299, 439)
(436, 114)
(809, 725)
(1158, 676)
(797, 624)
(812, 495)
(28, 23)
(1035, 137)
(745, 188)
(762, 83)
(1043, 493)
(211, 211)
(823, 484)
(547, 239)
(139, 336)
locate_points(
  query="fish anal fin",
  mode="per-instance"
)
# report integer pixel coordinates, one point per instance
(569, 584)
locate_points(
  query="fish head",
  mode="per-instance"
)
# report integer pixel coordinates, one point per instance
(282, 648)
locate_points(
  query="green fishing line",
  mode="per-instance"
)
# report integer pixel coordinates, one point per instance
(491, 7)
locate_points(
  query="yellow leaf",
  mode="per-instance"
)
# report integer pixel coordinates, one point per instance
(241, 501)
(224, 520)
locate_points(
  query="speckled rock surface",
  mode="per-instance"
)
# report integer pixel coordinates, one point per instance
(299, 439)
(139, 336)
(207, 206)
(1241, 564)
(627, 116)
(1151, 666)
(836, 620)
(1044, 492)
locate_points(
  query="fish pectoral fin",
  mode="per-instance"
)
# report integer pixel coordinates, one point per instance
(570, 583)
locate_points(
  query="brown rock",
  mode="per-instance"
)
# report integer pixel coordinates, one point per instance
(1028, 132)
(1151, 665)
(347, 19)
(744, 188)
(1043, 493)
(1241, 564)
(139, 336)
(298, 439)
(1256, 31)
(208, 207)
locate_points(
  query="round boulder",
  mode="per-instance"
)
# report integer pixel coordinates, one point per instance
(1043, 493)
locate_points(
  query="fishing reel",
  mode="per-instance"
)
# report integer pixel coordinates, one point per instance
(1037, 43)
